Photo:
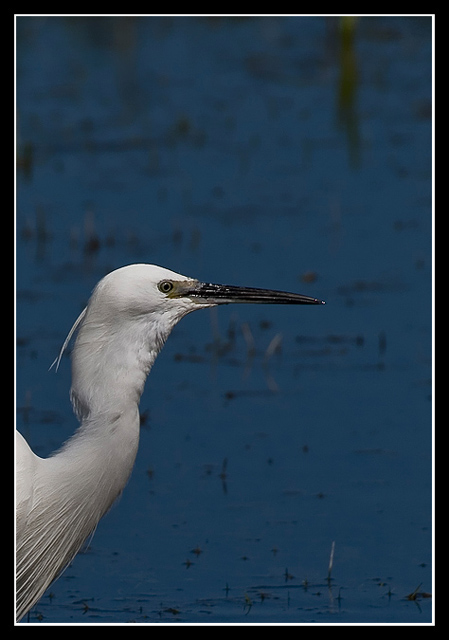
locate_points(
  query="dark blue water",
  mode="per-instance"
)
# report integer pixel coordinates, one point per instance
(290, 153)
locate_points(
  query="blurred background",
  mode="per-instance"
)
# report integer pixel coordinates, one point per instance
(279, 152)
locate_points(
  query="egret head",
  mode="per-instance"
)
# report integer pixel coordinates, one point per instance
(142, 289)
(127, 320)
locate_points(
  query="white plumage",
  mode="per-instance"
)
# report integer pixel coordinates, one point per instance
(61, 499)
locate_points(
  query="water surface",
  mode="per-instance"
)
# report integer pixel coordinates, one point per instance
(273, 152)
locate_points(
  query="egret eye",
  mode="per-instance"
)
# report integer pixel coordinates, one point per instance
(165, 286)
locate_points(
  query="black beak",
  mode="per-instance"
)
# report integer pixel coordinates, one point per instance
(225, 294)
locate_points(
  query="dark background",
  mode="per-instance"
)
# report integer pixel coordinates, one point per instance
(280, 152)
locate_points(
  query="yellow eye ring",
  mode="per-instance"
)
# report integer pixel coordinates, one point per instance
(165, 286)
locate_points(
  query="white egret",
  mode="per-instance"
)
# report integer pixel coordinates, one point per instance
(61, 499)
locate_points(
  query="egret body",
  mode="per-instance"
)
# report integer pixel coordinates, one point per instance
(60, 499)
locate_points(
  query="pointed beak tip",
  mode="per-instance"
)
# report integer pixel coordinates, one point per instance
(225, 294)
